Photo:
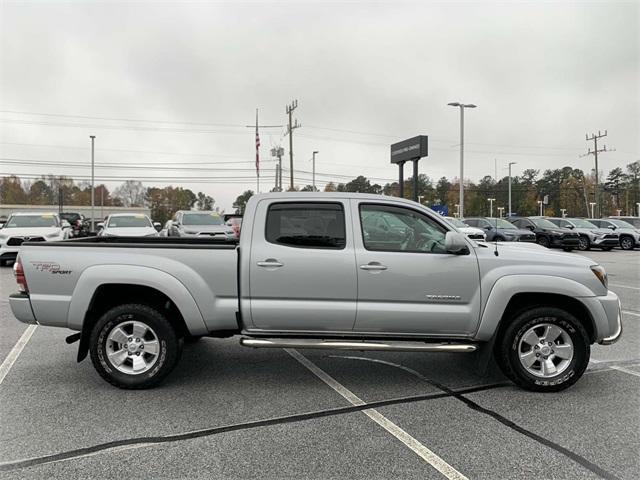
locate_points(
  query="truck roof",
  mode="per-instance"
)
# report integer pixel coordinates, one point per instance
(303, 196)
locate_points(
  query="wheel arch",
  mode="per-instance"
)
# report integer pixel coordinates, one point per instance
(514, 293)
(100, 289)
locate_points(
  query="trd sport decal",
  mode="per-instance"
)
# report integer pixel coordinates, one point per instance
(50, 267)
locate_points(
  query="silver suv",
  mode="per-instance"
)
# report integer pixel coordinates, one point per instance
(186, 223)
(590, 235)
(629, 235)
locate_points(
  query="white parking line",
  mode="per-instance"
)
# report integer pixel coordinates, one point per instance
(15, 352)
(628, 312)
(423, 452)
(616, 367)
(623, 286)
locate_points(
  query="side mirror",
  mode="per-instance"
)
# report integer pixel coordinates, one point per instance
(455, 242)
(65, 224)
(531, 227)
(570, 227)
(488, 227)
(175, 224)
(157, 226)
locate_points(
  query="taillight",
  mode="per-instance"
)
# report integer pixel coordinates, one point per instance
(18, 272)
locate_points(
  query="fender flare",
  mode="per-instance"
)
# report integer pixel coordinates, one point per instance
(94, 277)
(506, 287)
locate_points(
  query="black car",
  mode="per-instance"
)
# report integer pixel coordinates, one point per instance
(499, 230)
(547, 234)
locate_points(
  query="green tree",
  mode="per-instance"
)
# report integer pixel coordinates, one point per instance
(11, 191)
(241, 201)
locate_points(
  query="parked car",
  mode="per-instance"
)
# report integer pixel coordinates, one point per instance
(188, 223)
(164, 232)
(127, 225)
(591, 236)
(548, 234)
(635, 221)
(629, 235)
(3, 220)
(499, 230)
(312, 272)
(30, 226)
(471, 232)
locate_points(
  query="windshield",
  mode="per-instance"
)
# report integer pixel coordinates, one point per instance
(502, 223)
(457, 223)
(580, 223)
(129, 221)
(32, 221)
(620, 223)
(201, 219)
(543, 223)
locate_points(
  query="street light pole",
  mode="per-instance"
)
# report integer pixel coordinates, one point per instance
(638, 205)
(314, 171)
(540, 203)
(500, 211)
(592, 204)
(92, 137)
(462, 106)
(510, 163)
(491, 200)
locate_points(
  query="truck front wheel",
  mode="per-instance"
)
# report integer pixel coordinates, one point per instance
(134, 346)
(544, 349)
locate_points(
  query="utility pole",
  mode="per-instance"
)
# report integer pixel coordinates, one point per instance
(510, 163)
(595, 152)
(290, 128)
(92, 137)
(314, 170)
(491, 200)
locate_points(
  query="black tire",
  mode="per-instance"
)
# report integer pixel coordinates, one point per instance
(544, 241)
(584, 243)
(169, 351)
(626, 242)
(507, 349)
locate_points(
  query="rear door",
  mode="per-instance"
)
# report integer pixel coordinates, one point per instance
(407, 282)
(302, 272)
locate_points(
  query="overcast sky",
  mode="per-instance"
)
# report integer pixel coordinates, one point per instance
(365, 75)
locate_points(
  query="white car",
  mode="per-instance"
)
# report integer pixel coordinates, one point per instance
(33, 227)
(472, 232)
(128, 225)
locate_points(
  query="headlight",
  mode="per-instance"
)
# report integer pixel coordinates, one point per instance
(190, 232)
(53, 235)
(3, 237)
(600, 272)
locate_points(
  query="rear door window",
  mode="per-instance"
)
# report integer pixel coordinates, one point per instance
(306, 225)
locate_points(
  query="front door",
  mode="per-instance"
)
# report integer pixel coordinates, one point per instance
(302, 270)
(407, 282)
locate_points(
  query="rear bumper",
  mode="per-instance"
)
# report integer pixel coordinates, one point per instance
(21, 308)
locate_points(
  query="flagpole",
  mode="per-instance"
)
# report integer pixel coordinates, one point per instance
(257, 156)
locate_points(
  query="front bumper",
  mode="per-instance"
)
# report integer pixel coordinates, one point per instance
(8, 253)
(613, 308)
(605, 242)
(21, 308)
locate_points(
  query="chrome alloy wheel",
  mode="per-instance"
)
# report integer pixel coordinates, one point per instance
(545, 350)
(132, 347)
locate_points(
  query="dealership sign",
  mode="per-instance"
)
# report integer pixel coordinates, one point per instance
(411, 149)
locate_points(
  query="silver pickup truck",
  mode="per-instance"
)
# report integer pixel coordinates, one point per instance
(321, 270)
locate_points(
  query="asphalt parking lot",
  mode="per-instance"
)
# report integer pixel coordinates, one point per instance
(230, 412)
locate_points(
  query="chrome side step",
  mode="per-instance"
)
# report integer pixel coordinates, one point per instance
(393, 345)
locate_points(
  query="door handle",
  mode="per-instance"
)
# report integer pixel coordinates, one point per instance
(373, 266)
(270, 262)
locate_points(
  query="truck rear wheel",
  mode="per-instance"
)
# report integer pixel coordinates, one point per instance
(544, 349)
(134, 346)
